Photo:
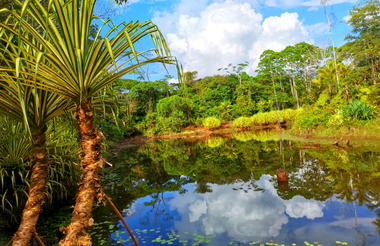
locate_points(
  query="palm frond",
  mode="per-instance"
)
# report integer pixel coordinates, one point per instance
(67, 62)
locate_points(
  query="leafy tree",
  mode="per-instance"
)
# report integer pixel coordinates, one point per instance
(145, 95)
(364, 44)
(291, 70)
(235, 70)
(172, 113)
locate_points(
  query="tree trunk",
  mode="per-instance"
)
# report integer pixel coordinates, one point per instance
(296, 92)
(89, 187)
(36, 193)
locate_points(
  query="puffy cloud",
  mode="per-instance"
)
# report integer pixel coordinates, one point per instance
(206, 37)
(320, 28)
(243, 216)
(278, 32)
(299, 207)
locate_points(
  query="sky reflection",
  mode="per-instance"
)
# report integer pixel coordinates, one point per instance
(229, 214)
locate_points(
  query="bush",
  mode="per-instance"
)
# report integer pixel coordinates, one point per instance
(170, 106)
(336, 120)
(211, 122)
(277, 116)
(313, 117)
(358, 110)
(242, 122)
(266, 118)
(169, 124)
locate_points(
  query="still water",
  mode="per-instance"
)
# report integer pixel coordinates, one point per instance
(224, 191)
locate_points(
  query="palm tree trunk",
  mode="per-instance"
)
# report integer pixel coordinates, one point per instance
(36, 194)
(89, 187)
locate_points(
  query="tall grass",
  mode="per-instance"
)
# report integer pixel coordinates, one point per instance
(267, 118)
(242, 122)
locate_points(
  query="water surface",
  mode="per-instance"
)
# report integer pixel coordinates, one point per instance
(222, 191)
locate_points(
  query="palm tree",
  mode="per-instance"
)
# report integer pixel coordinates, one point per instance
(78, 69)
(34, 107)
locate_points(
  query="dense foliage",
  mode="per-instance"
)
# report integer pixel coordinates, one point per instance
(15, 166)
(334, 87)
(311, 87)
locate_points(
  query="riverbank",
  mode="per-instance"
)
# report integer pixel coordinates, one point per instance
(368, 131)
(342, 137)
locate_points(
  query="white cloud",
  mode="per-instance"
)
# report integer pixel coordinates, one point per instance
(320, 28)
(355, 231)
(278, 32)
(207, 37)
(299, 207)
(347, 18)
(243, 216)
(172, 81)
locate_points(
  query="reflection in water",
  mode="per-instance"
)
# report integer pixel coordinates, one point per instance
(244, 216)
(225, 191)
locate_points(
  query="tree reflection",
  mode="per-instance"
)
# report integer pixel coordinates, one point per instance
(168, 165)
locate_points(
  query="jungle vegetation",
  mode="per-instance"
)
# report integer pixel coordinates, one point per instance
(315, 88)
(56, 78)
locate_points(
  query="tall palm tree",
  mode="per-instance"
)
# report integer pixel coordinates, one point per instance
(34, 107)
(78, 69)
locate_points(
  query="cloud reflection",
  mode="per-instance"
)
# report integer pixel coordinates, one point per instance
(243, 216)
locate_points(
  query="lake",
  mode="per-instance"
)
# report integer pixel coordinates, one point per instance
(224, 191)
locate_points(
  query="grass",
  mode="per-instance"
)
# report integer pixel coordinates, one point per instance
(349, 129)
(267, 118)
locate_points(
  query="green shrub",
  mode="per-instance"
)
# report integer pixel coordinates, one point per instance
(290, 114)
(358, 110)
(336, 120)
(170, 124)
(267, 118)
(242, 122)
(172, 113)
(170, 106)
(312, 117)
(211, 122)
(277, 116)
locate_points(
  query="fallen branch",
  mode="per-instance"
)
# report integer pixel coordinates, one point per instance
(38, 239)
(118, 213)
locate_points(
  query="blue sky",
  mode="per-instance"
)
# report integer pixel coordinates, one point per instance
(209, 34)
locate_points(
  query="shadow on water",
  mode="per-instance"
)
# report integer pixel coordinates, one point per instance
(224, 191)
